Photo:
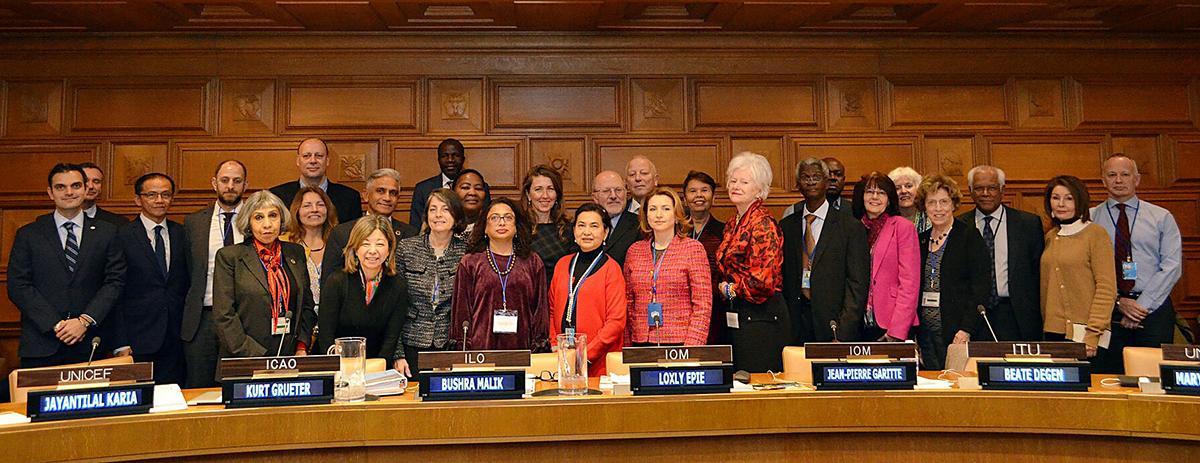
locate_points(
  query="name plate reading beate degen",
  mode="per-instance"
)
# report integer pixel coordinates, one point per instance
(467, 385)
(1035, 376)
(69, 404)
(888, 375)
(274, 392)
(1180, 379)
(661, 380)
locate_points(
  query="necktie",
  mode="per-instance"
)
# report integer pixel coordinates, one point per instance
(228, 228)
(449, 183)
(989, 237)
(1124, 251)
(160, 249)
(810, 243)
(72, 248)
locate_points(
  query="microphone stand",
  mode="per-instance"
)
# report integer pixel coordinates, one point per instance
(983, 312)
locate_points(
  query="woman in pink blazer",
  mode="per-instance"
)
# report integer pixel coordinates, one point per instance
(895, 260)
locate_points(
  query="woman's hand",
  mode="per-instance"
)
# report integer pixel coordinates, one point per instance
(962, 337)
(1091, 351)
(401, 365)
(301, 352)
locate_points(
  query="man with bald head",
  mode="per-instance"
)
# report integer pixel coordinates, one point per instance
(837, 180)
(1015, 241)
(641, 176)
(1149, 257)
(608, 190)
(312, 159)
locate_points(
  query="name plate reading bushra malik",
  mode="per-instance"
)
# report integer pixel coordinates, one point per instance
(1035, 376)
(661, 380)
(70, 404)
(472, 385)
(276, 392)
(839, 375)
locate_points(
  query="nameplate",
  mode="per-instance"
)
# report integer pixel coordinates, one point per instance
(69, 404)
(1059, 350)
(445, 360)
(1180, 379)
(1180, 353)
(841, 350)
(1035, 376)
(886, 375)
(277, 392)
(660, 380)
(718, 354)
(249, 366)
(465, 385)
(39, 377)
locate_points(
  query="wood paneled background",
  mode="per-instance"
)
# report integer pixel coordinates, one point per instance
(1036, 106)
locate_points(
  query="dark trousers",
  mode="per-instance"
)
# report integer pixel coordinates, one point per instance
(763, 331)
(168, 361)
(77, 353)
(1157, 329)
(1004, 322)
(202, 353)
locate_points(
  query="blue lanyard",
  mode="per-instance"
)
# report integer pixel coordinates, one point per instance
(437, 281)
(658, 260)
(502, 275)
(573, 288)
(1136, 210)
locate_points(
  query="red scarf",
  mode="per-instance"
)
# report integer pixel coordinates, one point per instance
(277, 280)
(874, 227)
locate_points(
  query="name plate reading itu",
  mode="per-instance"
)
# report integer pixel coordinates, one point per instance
(39, 377)
(662, 380)
(1180, 353)
(446, 360)
(841, 350)
(248, 366)
(1180, 378)
(717, 354)
(890, 375)
(1035, 376)
(1060, 350)
(463, 385)
(272, 392)
(70, 404)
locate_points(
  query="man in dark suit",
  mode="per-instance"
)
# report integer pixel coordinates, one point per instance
(450, 156)
(312, 158)
(95, 186)
(383, 190)
(837, 180)
(207, 232)
(826, 262)
(1015, 240)
(65, 272)
(608, 190)
(150, 311)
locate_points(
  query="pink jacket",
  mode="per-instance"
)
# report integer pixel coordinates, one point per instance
(896, 277)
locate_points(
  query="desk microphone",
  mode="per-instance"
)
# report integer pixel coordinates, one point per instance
(95, 344)
(466, 326)
(983, 311)
(657, 319)
(288, 316)
(833, 329)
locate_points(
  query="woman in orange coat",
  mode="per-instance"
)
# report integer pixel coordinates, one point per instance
(587, 294)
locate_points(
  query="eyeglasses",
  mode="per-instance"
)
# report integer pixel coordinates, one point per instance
(874, 193)
(812, 178)
(610, 191)
(497, 218)
(547, 375)
(152, 195)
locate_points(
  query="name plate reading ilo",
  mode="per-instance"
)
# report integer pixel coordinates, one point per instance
(466, 385)
(1035, 376)
(68, 404)
(271, 392)
(445, 360)
(661, 380)
(840, 375)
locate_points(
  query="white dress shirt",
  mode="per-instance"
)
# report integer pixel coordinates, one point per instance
(819, 223)
(1000, 232)
(216, 241)
(60, 219)
(149, 225)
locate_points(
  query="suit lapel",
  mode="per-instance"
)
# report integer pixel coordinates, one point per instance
(886, 238)
(87, 243)
(177, 236)
(139, 234)
(831, 224)
(295, 267)
(251, 261)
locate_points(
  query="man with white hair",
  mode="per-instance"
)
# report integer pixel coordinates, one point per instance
(608, 190)
(641, 176)
(383, 191)
(1015, 241)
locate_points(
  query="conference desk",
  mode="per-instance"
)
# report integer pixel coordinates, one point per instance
(1105, 424)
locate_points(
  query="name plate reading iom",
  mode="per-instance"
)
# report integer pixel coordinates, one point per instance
(90, 402)
(663, 380)
(249, 366)
(1035, 376)
(840, 375)
(271, 392)
(677, 354)
(461, 385)
(841, 350)
(1059, 350)
(474, 358)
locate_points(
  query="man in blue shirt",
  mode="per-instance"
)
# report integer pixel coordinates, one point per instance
(1149, 257)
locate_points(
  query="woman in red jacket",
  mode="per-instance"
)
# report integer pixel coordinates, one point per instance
(587, 294)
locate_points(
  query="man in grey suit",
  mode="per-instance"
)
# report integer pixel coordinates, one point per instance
(1015, 240)
(208, 231)
(383, 191)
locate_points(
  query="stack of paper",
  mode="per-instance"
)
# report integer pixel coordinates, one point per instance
(389, 382)
(168, 398)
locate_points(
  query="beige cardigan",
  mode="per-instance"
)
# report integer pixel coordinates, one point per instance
(1079, 282)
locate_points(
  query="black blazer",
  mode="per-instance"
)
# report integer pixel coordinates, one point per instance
(333, 258)
(45, 293)
(346, 200)
(242, 303)
(344, 312)
(621, 237)
(150, 309)
(964, 280)
(421, 193)
(841, 275)
(1026, 240)
(106, 216)
(195, 226)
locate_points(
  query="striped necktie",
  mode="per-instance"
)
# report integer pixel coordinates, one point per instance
(72, 248)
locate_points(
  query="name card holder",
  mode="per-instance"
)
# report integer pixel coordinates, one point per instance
(64, 393)
(278, 381)
(680, 379)
(841, 366)
(1039, 375)
(1180, 369)
(473, 375)
(1027, 350)
(666, 355)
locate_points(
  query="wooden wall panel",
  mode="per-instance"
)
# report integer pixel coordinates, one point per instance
(360, 105)
(948, 154)
(747, 105)
(859, 155)
(673, 158)
(657, 105)
(351, 161)
(1025, 160)
(130, 161)
(568, 105)
(247, 107)
(1144, 149)
(500, 160)
(853, 104)
(36, 160)
(568, 156)
(14, 219)
(1185, 161)
(268, 163)
(772, 149)
(1040, 104)
(34, 108)
(456, 106)
(1186, 211)
(1124, 103)
(174, 106)
(918, 104)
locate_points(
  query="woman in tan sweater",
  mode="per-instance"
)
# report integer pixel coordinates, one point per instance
(1079, 285)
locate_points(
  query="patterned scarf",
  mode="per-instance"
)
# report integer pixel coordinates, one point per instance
(874, 227)
(277, 280)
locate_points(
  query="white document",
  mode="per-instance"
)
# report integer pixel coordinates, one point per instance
(731, 320)
(7, 418)
(168, 398)
(1079, 330)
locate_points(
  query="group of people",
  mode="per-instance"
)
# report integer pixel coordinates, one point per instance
(285, 271)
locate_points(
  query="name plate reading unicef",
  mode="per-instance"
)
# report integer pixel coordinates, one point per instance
(446, 360)
(39, 377)
(1180, 353)
(1061, 350)
(1035, 376)
(839, 376)
(713, 354)
(70, 404)
(463, 385)
(271, 392)
(248, 366)
(841, 350)
(662, 380)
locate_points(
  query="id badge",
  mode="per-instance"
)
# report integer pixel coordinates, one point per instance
(282, 326)
(931, 299)
(804, 279)
(504, 322)
(653, 309)
(1128, 270)
(731, 320)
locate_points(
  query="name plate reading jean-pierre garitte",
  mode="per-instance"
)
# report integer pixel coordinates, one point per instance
(881, 375)
(1035, 376)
